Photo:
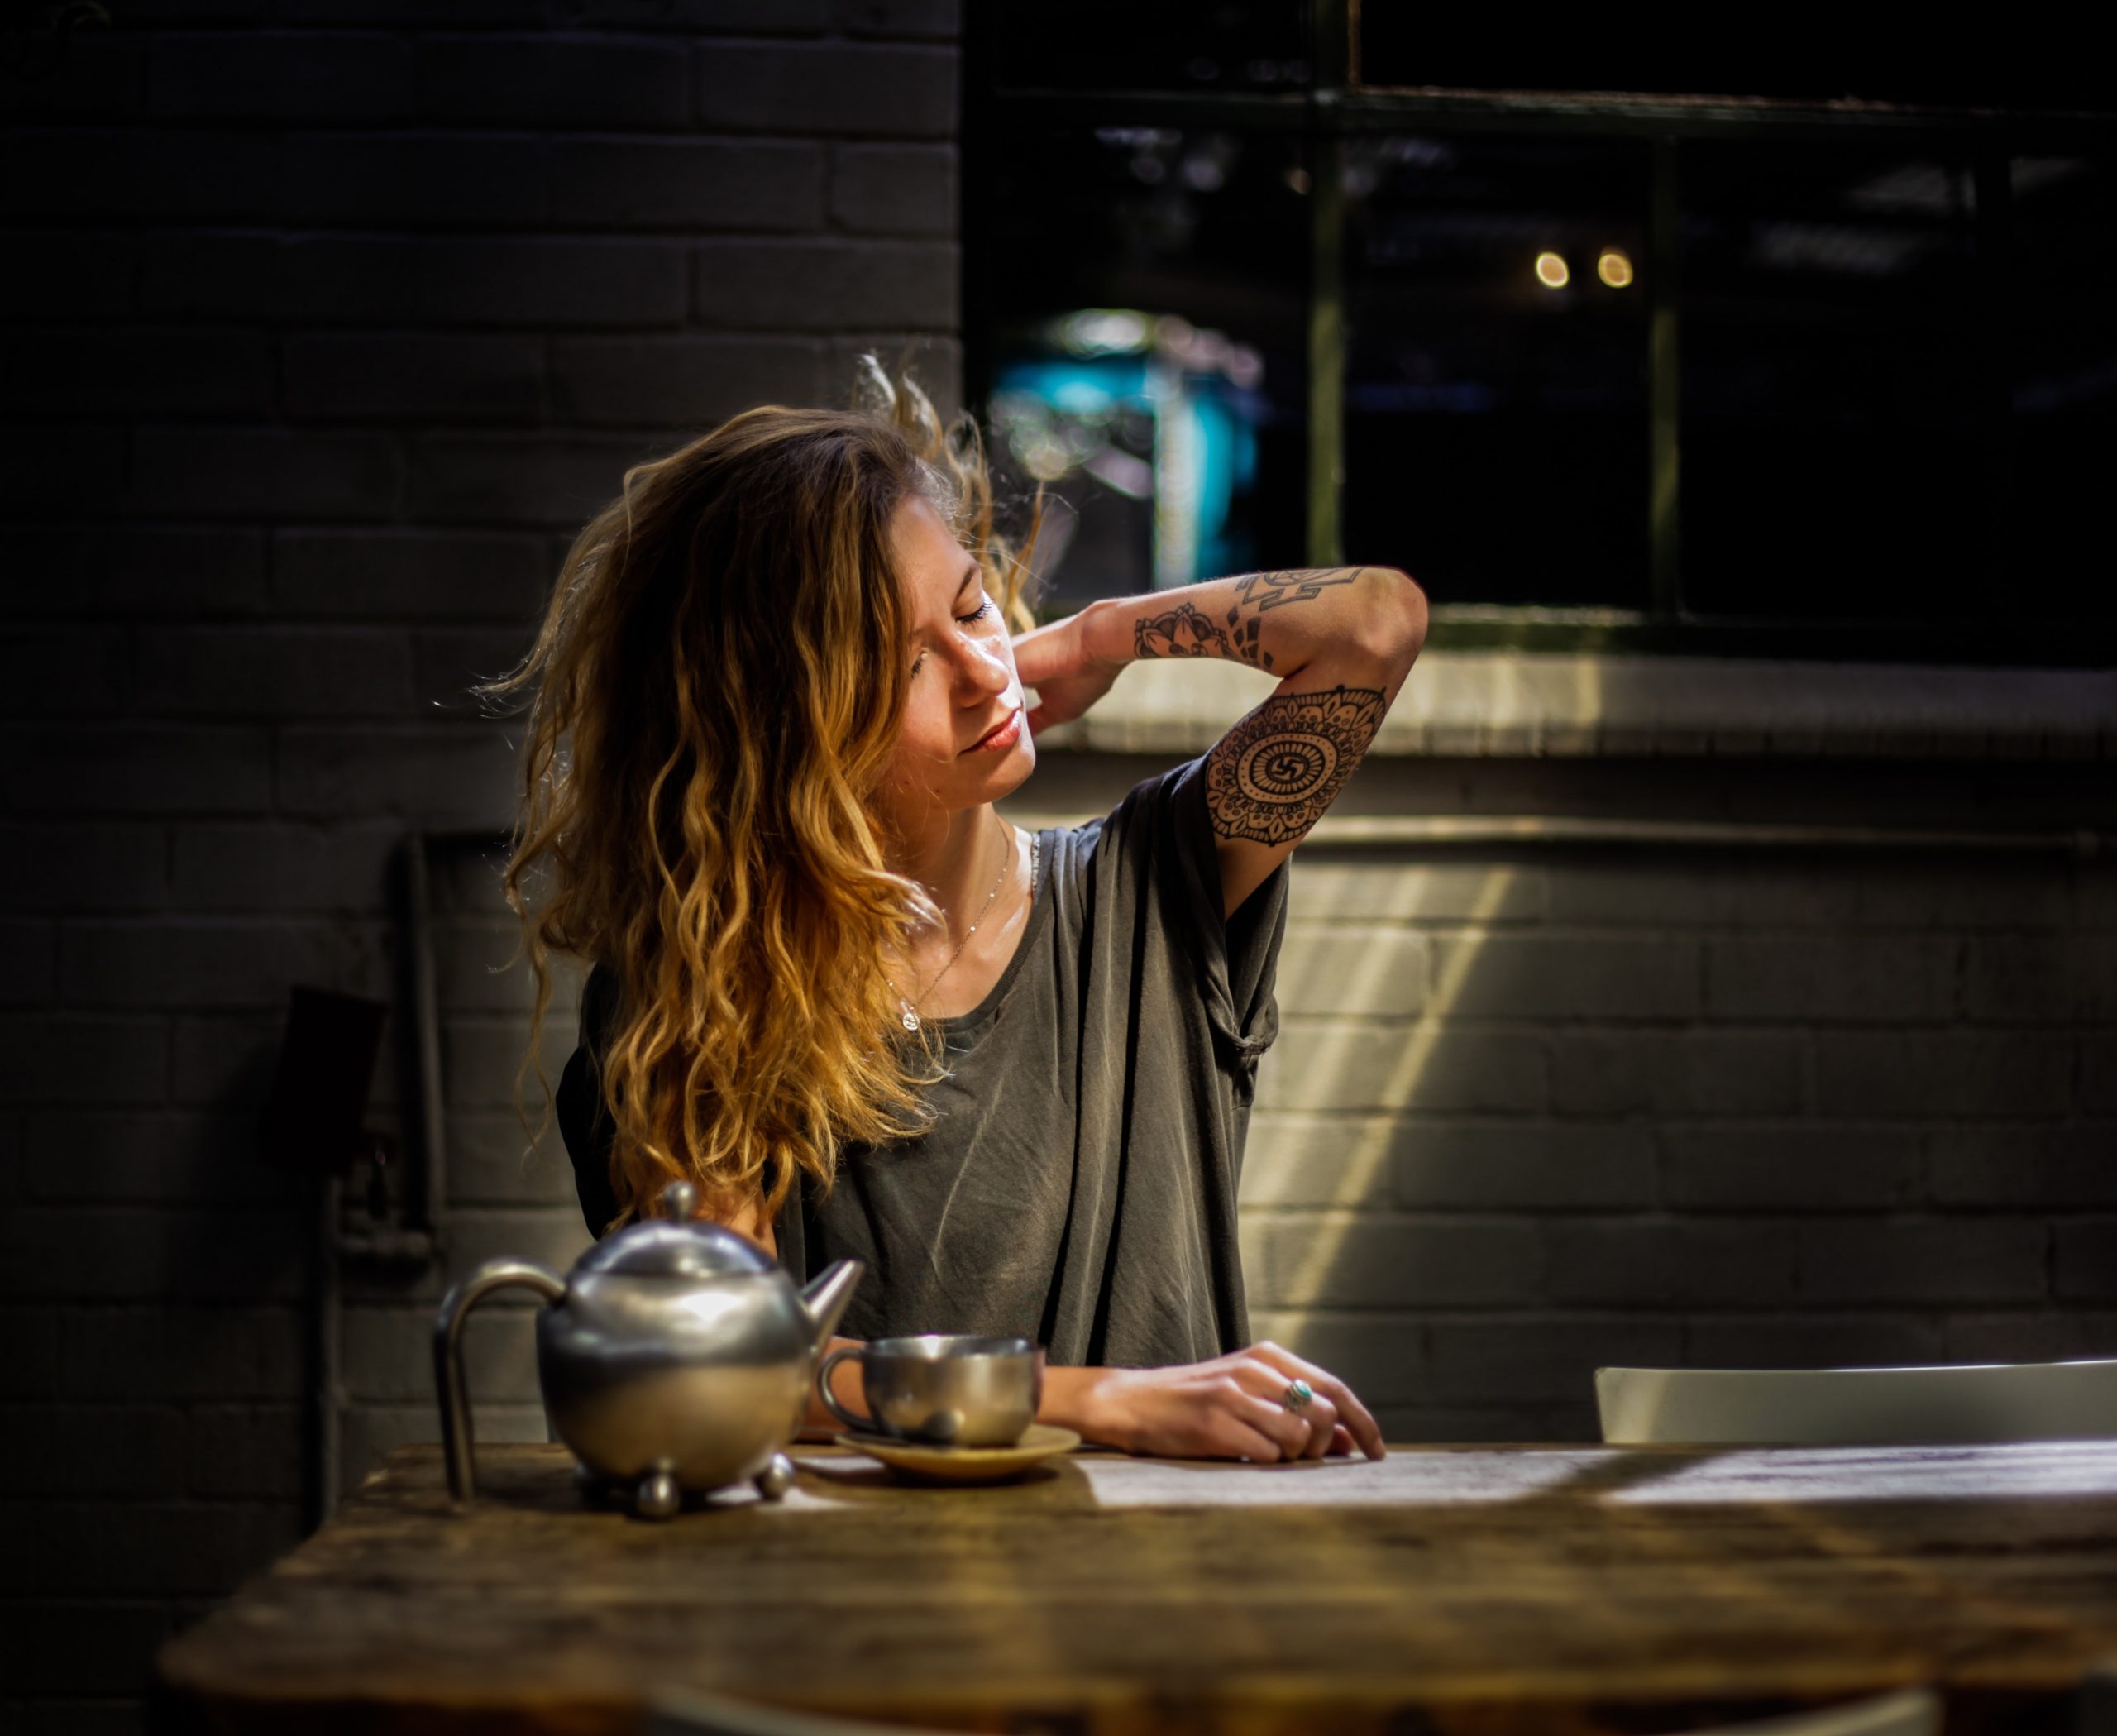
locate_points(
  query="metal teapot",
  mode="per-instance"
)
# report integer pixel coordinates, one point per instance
(677, 1357)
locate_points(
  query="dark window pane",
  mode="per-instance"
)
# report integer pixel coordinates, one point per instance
(1171, 44)
(1496, 441)
(1150, 338)
(1878, 59)
(2064, 251)
(1835, 464)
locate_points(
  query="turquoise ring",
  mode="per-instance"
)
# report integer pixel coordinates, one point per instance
(1298, 1393)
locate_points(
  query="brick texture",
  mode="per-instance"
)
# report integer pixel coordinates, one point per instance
(340, 326)
(1856, 1111)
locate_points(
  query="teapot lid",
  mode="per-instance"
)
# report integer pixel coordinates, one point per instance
(678, 1245)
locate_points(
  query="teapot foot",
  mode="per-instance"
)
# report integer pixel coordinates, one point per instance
(776, 1478)
(657, 1496)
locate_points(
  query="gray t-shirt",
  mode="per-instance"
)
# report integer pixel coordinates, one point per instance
(1079, 1187)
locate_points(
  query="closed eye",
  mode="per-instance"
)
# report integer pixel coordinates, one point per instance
(978, 614)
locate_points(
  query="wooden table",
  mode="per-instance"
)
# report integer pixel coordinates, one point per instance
(1466, 1591)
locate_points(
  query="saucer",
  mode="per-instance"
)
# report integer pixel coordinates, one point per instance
(964, 1464)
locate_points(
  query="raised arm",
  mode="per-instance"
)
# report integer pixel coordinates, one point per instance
(1342, 638)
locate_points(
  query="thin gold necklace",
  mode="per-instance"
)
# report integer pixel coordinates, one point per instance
(909, 1018)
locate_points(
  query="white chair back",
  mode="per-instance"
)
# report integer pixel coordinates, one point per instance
(2018, 1401)
(1909, 1712)
(2096, 1702)
(695, 1712)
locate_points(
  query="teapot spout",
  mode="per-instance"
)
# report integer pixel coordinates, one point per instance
(827, 1295)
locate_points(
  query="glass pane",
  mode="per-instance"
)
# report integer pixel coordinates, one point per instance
(1496, 440)
(2063, 249)
(1465, 49)
(1833, 367)
(1172, 45)
(1149, 350)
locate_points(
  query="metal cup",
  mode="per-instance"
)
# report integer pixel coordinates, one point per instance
(942, 1388)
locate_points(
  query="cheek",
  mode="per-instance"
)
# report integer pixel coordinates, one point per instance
(927, 733)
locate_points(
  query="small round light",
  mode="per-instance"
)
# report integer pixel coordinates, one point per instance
(1550, 271)
(1614, 268)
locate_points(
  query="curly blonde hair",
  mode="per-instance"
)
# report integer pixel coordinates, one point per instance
(714, 695)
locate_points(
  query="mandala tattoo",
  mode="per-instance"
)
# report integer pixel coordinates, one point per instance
(1183, 631)
(1272, 776)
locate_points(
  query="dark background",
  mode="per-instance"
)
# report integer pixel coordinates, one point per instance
(329, 320)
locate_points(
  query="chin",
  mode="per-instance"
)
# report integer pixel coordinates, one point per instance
(1012, 771)
(1020, 764)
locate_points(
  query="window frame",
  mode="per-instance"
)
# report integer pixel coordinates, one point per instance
(1337, 107)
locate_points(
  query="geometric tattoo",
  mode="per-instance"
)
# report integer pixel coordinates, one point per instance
(1268, 589)
(1187, 631)
(1272, 776)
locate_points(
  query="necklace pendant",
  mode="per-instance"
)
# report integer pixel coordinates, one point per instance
(909, 1018)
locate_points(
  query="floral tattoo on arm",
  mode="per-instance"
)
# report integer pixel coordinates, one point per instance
(1271, 776)
(1188, 631)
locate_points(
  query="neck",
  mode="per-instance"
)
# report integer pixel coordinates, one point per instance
(955, 856)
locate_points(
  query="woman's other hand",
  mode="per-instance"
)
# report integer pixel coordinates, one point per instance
(1233, 1407)
(1067, 676)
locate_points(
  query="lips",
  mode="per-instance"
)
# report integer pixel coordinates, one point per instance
(1002, 734)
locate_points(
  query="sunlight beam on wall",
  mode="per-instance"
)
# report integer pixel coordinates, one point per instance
(1371, 1148)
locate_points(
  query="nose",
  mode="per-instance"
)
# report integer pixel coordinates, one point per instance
(987, 668)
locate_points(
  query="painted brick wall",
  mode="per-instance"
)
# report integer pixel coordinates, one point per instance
(326, 322)
(1534, 1111)
(1532, 1116)
(337, 324)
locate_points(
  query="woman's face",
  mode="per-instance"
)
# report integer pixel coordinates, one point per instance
(963, 740)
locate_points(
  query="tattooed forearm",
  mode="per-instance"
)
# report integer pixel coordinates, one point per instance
(1183, 631)
(1272, 776)
(1266, 591)
(1187, 629)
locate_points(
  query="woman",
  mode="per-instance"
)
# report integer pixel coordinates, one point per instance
(775, 701)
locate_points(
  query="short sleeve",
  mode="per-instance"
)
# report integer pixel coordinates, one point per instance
(1237, 958)
(583, 1118)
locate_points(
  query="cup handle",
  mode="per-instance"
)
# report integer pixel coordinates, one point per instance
(858, 1425)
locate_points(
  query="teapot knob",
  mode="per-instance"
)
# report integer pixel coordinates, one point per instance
(679, 1201)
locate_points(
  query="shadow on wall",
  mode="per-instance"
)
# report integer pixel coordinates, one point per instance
(501, 1191)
